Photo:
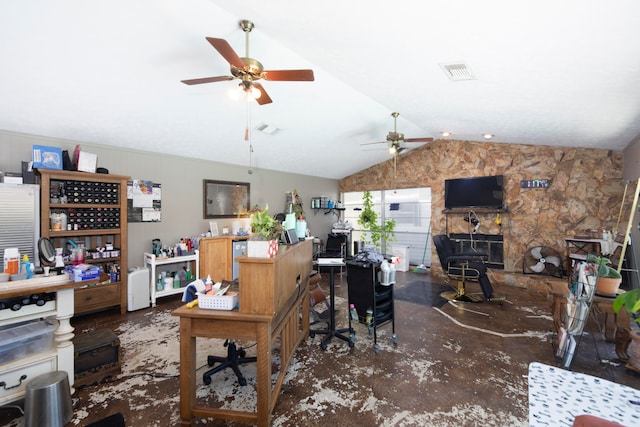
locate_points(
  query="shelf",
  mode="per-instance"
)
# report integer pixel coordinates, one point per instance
(152, 261)
(88, 232)
(112, 188)
(83, 205)
(476, 210)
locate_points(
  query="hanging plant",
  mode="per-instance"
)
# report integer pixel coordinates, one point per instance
(374, 232)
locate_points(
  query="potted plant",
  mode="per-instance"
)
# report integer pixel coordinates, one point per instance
(368, 220)
(630, 300)
(609, 278)
(266, 232)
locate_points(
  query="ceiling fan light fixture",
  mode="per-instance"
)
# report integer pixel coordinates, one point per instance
(487, 136)
(445, 134)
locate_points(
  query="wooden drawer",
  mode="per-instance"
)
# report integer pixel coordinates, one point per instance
(96, 297)
(16, 375)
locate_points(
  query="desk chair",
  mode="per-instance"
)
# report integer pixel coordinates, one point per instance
(235, 357)
(336, 247)
(462, 267)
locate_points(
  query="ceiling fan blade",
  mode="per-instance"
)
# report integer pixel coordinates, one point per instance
(206, 80)
(226, 51)
(288, 75)
(418, 140)
(371, 143)
(264, 96)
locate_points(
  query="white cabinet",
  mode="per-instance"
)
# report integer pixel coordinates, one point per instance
(153, 262)
(14, 374)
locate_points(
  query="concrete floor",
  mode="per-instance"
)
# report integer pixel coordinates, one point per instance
(477, 356)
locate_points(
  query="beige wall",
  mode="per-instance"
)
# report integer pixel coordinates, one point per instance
(181, 180)
(586, 189)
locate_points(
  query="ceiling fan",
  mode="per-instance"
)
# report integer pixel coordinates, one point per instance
(248, 70)
(396, 139)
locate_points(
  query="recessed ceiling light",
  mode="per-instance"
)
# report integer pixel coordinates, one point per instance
(487, 136)
(445, 134)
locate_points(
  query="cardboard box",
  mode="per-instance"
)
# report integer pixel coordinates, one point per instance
(45, 157)
(83, 272)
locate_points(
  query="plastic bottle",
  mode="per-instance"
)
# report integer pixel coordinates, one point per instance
(353, 312)
(26, 265)
(369, 318)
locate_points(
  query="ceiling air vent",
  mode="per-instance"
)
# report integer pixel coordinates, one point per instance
(268, 129)
(458, 71)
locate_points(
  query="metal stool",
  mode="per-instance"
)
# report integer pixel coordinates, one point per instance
(47, 401)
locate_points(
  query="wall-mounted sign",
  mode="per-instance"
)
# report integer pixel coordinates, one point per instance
(534, 183)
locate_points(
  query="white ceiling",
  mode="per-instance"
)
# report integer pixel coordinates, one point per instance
(108, 72)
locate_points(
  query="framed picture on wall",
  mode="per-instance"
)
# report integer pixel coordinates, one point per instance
(225, 199)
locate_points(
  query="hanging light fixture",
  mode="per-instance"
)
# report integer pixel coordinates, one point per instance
(245, 90)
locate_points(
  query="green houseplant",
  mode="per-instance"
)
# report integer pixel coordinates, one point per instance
(374, 232)
(264, 240)
(609, 278)
(630, 300)
(263, 225)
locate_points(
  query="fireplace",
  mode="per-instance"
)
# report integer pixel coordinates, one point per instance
(491, 245)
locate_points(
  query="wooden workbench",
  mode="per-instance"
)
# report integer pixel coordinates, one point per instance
(269, 313)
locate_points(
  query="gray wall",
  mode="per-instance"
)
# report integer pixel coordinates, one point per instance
(181, 180)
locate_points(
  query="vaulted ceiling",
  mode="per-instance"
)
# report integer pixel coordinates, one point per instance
(109, 72)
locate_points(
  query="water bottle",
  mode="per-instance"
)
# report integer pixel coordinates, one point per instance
(353, 312)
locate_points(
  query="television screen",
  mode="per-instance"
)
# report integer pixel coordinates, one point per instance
(484, 191)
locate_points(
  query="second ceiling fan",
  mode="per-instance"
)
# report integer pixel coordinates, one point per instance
(248, 70)
(396, 139)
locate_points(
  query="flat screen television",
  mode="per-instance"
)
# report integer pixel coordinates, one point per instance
(476, 192)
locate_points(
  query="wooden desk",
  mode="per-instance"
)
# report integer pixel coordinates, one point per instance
(264, 329)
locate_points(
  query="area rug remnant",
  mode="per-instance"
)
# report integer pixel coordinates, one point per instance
(422, 292)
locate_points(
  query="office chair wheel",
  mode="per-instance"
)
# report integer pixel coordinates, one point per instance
(323, 345)
(394, 338)
(352, 342)
(312, 334)
(206, 379)
(242, 381)
(376, 348)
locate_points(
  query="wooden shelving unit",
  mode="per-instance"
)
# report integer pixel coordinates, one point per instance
(87, 193)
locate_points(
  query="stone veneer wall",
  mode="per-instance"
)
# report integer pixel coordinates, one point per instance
(586, 190)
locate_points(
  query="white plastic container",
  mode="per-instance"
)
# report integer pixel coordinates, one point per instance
(12, 260)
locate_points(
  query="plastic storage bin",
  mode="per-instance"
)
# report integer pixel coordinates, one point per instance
(24, 339)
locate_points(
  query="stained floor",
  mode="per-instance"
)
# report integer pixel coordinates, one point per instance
(451, 365)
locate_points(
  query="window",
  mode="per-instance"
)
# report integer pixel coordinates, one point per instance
(409, 207)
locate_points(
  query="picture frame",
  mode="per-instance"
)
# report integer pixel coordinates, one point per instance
(213, 228)
(225, 199)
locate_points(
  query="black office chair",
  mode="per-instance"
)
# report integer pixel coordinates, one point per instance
(235, 357)
(463, 267)
(336, 246)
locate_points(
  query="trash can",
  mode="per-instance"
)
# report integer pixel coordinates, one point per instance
(47, 400)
